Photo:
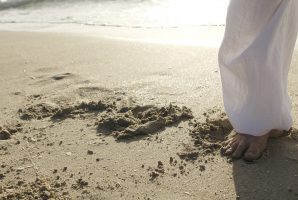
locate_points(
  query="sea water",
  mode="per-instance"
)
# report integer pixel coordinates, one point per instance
(116, 13)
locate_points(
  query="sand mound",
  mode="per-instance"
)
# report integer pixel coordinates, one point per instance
(38, 111)
(207, 136)
(128, 122)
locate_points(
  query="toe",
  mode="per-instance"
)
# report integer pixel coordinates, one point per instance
(256, 147)
(232, 148)
(227, 144)
(240, 150)
(251, 156)
(253, 153)
(232, 134)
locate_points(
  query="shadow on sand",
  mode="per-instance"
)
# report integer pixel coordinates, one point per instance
(273, 177)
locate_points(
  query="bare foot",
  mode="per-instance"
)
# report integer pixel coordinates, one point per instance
(247, 146)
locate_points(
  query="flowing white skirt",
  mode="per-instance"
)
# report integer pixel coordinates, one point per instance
(254, 61)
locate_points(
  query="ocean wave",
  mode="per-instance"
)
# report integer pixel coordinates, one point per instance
(7, 4)
(116, 13)
(15, 3)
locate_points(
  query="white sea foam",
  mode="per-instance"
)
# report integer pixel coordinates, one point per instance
(122, 13)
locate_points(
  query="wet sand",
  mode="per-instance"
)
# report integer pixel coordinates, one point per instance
(95, 118)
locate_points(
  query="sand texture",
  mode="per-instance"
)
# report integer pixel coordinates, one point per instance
(92, 118)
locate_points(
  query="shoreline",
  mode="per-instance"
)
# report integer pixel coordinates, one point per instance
(206, 36)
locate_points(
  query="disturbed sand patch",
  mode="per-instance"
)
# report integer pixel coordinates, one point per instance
(120, 117)
(38, 189)
(141, 120)
(173, 168)
(212, 133)
(207, 136)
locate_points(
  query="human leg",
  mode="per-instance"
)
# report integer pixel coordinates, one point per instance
(254, 60)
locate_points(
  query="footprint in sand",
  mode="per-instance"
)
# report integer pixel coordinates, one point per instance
(93, 91)
(62, 76)
(47, 79)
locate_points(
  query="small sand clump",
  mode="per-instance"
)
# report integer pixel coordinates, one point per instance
(7, 131)
(293, 133)
(4, 134)
(189, 154)
(156, 172)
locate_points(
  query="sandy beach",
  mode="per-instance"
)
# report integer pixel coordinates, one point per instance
(95, 117)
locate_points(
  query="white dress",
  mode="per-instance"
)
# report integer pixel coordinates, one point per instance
(254, 61)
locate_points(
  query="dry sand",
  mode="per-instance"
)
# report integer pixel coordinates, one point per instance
(93, 118)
